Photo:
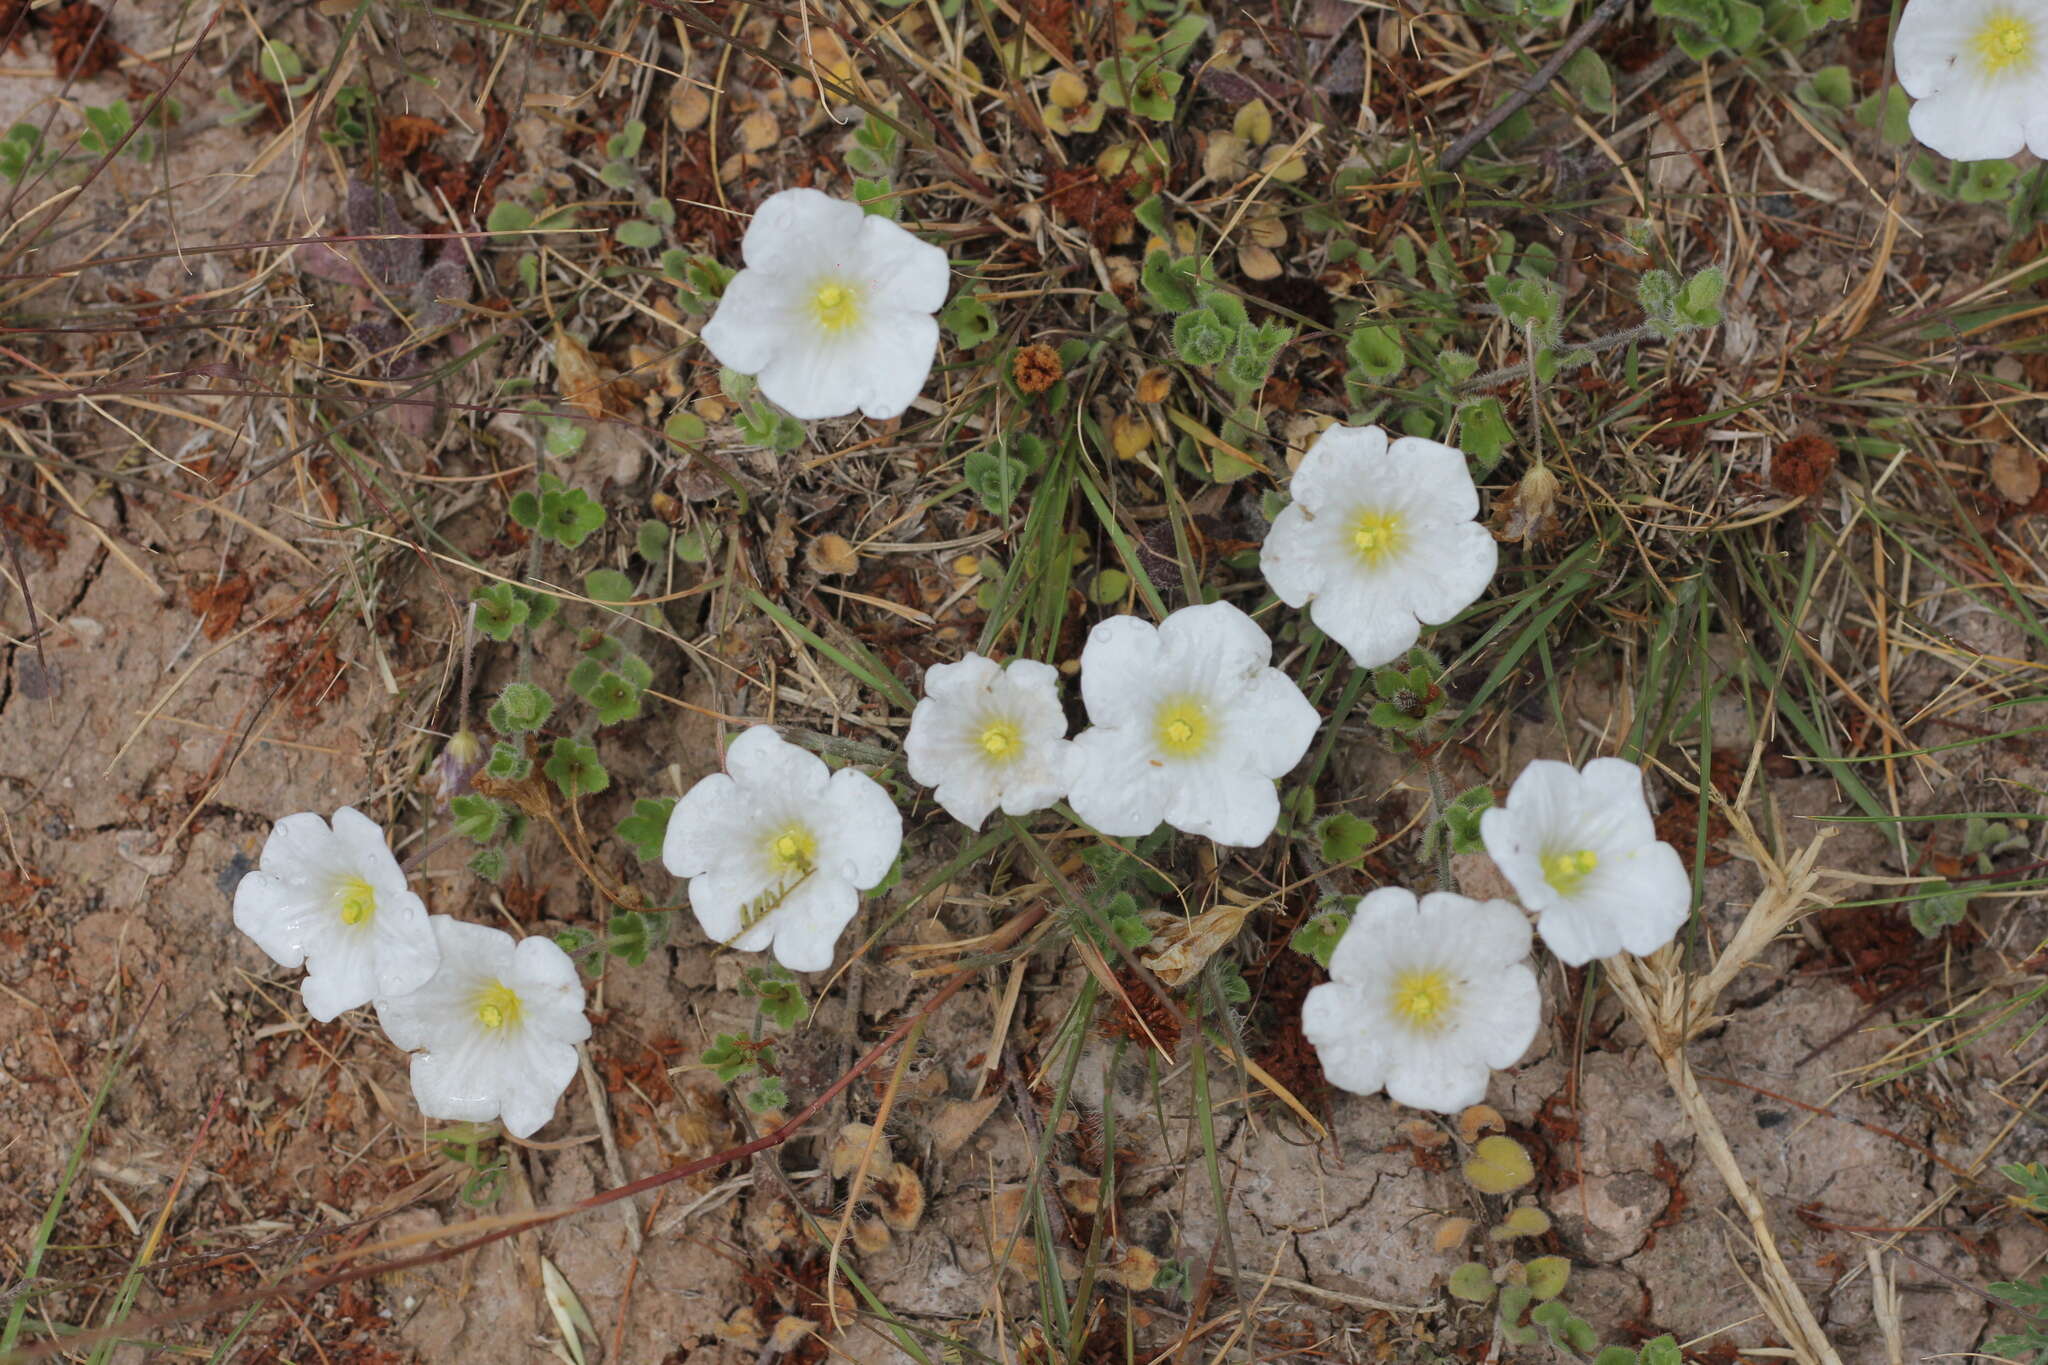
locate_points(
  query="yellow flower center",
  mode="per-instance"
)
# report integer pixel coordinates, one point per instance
(1422, 998)
(1182, 727)
(794, 850)
(1565, 871)
(1000, 741)
(836, 306)
(2005, 41)
(1375, 536)
(497, 1006)
(358, 901)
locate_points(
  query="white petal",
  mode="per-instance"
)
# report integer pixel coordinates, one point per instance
(970, 797)
(1450, 570)
(403, 944)
(814, 374)
(756, 317)
(1614, 788)
(762, 761)
(1291, 558)
(340, 982)
(1660, 896)
(1488, 934)
(1219, 634)
(1505, 1016)
(898, 347)
(1333, 1021)
(1577, 931)
(957, 684)
(859, 829)
(1117, 789)
(1118, 664)
(363, 839)
(276, 914)
(1377, 914)
(796, 232)
(809, 923)
(530, 1083)
(448, 1086)
(1374, 626)
(901, 270)
(1430, 479)
(716, 898)
(1340, 461)
(1970, 121)
(1271, 724)
(1232, 807)
(705, 828)
(1047, 777)
(1436, 1084)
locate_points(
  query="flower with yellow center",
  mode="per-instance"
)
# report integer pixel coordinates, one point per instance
(330, 897)
(2003, 42)
(494, 1032)
(834, 311)
(1381, 539)
(1191, 726)
(1182, 727)
(836, 306)
(497, 1006)
(1581, 850)
(1376, 537)
(1978, 74)
(778, 847)
(358, 900)
(987, 736)
(1427, 997)
(1422, 998)
(1567, 872)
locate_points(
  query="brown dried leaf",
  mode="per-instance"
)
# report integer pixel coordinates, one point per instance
(1154, 385)
(1480, 1118)
(1130, 435)
(688, 106)
(831, 555)
(1258, 263)
(577, 373)
(846, 1151)
(758, 131)
(2015, 473)
(1452, 1232)
(959, 1121)
(1192, 944)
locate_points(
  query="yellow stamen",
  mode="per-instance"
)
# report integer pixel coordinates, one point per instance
(836, 306)
(1376, 536)
(795, 849)
(1422, 998)
(1565, 871)
(1182, 727)
(497, 1005)
(2005, 41)
(358, 901)
(1000, 741)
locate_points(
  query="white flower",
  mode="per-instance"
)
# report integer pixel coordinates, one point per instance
(1425, 999)
(987, 736)
(1581, 850)
(834, 309)
(778, 848)
(1190, 726)
(1379, 539)
(494, 1033)
(336, 900)
(1979, 71)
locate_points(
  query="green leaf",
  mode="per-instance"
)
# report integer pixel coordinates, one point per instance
(613, 698)
(561, 438)
(1662, 1351)
(654, 542)
(1615, 1355)
(637, 233)
(507, 763)
(995, 478)
(1376, 353)
(1987, 182)
(520, 709)
(1547, 1276)
(488, 863)
(1169, 284)
(647, 826)
(1343, 838)
(278, 62)
(729, 1057)
(500, 612)
(574, 768)
(625, 144)
(1935, 910)
(568, 516)
(968, 320)
(1483, 432)
(608, 585)
(780, 994)
(1200, 338)
(1588, 78)
(635, 933)
(1319, 935)
(768, 1097)
(477, 818)
(1472, 1282)
(509, 216)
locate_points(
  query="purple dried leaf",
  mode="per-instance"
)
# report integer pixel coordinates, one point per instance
(378, 336)
(445, 279)
(1345, 74)
(413, 413)
(325, 262)
(1230, 86)
(370, 212)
